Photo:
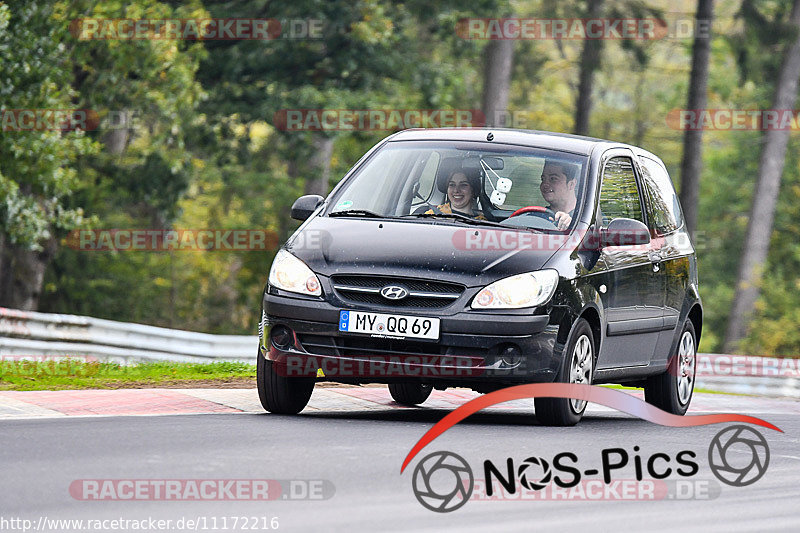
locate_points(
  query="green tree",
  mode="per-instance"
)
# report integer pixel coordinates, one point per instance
(765, 198)
(37, 167)
(146, 96)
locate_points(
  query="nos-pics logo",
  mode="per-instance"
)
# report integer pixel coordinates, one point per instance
(443, 481)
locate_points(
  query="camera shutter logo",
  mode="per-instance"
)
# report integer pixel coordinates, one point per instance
(738, 455)
(443, 482)
(394, 292)
(527, 477)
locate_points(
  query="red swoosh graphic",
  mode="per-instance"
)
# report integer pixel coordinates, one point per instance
(591, 393)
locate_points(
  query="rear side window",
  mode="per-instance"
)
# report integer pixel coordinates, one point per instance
(619, 197)
(664, 206)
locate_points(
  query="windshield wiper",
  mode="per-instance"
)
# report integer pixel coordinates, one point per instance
(356, 213)
(455, 216)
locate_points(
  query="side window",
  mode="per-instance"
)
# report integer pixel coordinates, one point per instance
(619, 197)
(663, 202)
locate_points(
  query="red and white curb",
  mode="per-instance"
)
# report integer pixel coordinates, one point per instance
(154, 402)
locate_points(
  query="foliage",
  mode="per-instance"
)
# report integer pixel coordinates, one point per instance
(202, 149)
(37, 172)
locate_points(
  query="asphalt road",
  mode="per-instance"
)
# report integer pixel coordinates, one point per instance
(360, 454)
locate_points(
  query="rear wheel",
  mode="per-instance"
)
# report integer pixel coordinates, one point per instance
(281, 394)
(410, 393)
(578, 367)
(672, 391)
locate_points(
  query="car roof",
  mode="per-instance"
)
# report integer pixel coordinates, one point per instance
(540, 139)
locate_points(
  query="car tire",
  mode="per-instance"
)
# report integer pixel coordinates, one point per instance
(577, 367)
(672, 390)
(280, 394)
(410, 393)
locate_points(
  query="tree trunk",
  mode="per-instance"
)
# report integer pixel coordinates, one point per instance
(22, 274)
(498, 61)
(692, 164)
(5, 269)
(590, 61)
(762, 214)
(640, 111)
(319, 166)
(312, 167)
(116, 140)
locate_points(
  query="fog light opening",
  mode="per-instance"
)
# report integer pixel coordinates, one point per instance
(510, 356)
(282, 337)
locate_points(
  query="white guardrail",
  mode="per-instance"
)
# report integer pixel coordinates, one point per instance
(26, 334)
(31, 335)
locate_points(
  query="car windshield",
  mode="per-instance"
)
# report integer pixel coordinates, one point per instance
(466, 182)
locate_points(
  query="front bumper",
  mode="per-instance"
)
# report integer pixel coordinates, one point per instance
(477, 349)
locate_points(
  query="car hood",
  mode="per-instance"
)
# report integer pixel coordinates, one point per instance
(471, 255)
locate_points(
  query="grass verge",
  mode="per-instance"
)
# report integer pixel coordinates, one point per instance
(72, 374)
(696, 389)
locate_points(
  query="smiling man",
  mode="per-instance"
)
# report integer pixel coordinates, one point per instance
(558, 188)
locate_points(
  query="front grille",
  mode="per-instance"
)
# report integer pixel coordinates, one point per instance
(365, 346)
(410, 301)
(423, 293)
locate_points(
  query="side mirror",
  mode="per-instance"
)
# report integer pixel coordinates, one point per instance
(625, 232)
(305, 205)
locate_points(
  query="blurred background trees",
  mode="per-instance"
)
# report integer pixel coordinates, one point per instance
(194, 142)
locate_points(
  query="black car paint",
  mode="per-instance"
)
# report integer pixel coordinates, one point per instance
(649, 291)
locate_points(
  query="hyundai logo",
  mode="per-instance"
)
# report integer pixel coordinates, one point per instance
(394, 292)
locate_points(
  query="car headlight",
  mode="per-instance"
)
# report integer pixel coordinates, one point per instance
(523, 290)
(290, 274)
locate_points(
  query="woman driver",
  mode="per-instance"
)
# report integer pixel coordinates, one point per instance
(461, 196)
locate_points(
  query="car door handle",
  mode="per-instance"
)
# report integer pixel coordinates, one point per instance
(655, 258)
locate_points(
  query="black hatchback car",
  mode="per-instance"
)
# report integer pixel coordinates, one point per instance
(486, 258)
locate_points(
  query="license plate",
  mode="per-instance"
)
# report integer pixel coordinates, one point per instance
(389, 326)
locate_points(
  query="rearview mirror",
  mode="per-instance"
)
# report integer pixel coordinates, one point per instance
(495, 163)
(305, 205)
(474, 163)
(625, 232)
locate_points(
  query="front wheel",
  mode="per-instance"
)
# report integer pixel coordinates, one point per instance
(281, 394)
(672, 391)
(578, 367)
(410, 393)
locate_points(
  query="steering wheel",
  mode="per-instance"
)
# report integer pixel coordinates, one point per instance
(537, 211)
